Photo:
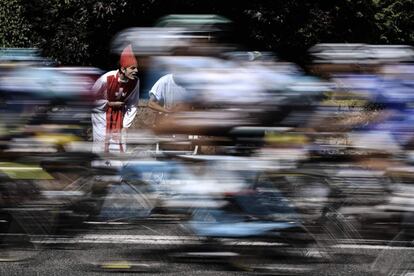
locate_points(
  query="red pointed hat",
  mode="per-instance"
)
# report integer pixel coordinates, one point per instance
(127, 57)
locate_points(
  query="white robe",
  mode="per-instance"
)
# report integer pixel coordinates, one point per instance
(99, 114)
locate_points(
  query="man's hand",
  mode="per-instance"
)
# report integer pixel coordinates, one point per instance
(154, 105)
(116, 104)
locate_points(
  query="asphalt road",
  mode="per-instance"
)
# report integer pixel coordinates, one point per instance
(153, 248)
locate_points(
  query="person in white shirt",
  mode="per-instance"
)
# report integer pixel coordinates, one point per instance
(166, 94)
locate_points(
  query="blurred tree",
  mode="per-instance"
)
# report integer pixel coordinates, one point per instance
(80, 31)
(291, 27)
(14, 26)
(396, 21)
(60, 28)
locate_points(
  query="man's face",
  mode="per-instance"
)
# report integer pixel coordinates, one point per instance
(130, 72)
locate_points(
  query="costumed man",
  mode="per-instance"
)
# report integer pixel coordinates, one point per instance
(117, 94)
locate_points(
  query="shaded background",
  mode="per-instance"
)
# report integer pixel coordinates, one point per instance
(78, 32)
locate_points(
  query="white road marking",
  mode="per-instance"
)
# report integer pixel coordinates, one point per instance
(376, 247)
(176, 240)
(144, 239)
(107, 223)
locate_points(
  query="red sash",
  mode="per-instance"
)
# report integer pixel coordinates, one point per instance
(116, 92)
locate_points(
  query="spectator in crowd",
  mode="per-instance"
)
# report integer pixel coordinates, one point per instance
(117, 94)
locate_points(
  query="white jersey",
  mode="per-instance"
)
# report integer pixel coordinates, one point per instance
(166, 91)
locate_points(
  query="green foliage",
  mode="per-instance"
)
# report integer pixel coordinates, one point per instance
(60, 28)
(79, 32)
(396, 21)
(291, 27)
(14, 27)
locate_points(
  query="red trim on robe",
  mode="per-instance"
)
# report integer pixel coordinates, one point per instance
(116, 92)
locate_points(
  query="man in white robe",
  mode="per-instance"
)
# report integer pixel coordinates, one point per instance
(117, 95)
